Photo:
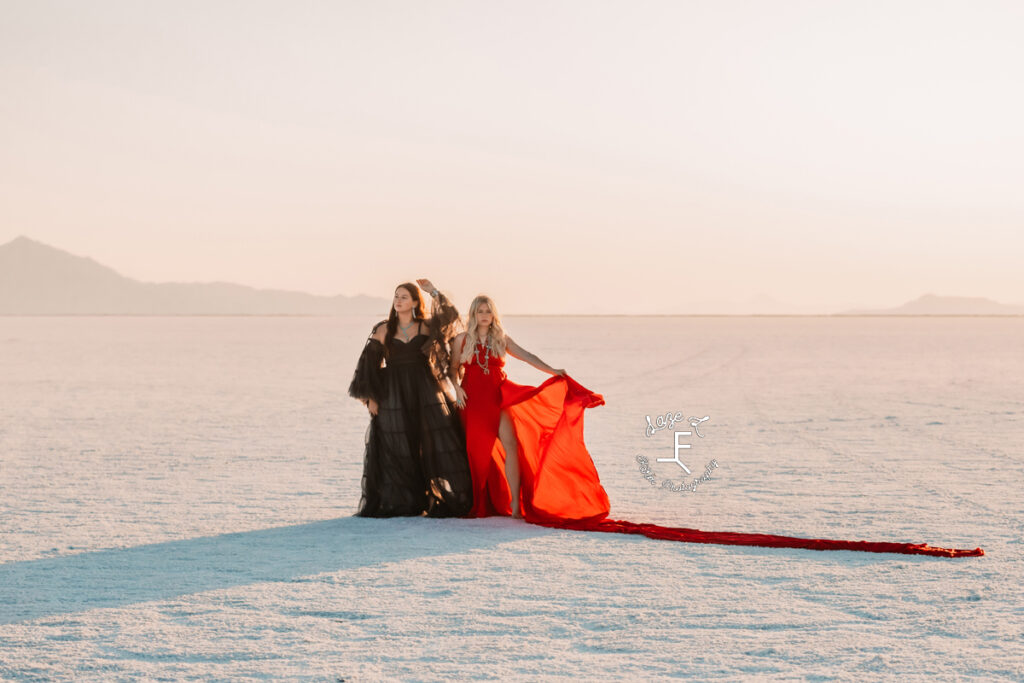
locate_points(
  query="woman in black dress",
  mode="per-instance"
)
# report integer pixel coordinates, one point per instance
(415, 460)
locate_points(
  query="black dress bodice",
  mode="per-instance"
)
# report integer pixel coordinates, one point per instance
(408, 353)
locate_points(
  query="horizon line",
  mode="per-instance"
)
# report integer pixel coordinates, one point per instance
(523, 315)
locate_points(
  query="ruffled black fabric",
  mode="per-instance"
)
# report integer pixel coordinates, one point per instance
(415, 457)
(368, 378)
(442, 327)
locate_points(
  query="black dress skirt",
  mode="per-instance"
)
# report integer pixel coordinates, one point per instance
(415, 457)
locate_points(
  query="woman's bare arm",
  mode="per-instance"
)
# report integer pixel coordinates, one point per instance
(517, 351)
(455, 367)
(455, 370)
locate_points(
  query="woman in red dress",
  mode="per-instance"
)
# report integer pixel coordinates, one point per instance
(525, 444)
(534, 435)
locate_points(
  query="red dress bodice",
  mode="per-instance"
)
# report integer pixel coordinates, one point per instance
(481, 417)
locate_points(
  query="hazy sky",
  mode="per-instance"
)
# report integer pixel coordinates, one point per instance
(561, 156)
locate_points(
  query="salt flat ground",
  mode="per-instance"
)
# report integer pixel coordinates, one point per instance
(176, 499)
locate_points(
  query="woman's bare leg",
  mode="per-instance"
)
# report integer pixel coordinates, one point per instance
(507, 434)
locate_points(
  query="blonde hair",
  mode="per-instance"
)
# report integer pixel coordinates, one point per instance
(496, 333)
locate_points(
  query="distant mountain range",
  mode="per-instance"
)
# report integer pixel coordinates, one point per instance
(930, 304)
(37, 279)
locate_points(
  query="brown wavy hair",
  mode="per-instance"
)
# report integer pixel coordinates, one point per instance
(418, 314)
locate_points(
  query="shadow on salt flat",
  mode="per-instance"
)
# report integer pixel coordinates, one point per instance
(123, 576)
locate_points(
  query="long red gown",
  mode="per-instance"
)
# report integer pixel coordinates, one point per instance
(481, 416)
(559, 484)
(558, 480)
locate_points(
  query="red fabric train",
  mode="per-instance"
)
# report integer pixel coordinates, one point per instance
(560, 486)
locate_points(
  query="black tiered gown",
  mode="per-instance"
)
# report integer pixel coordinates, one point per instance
(415, 459)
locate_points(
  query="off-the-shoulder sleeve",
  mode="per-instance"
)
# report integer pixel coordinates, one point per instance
(368, 379)
(444, 325)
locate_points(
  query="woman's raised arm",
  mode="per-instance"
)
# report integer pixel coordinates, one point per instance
(441, 327)
(443, 314)
(517, 351)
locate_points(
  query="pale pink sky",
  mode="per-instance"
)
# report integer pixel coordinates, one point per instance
(584, 157)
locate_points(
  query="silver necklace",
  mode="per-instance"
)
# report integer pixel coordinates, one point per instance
(487, 356)
(403, 329)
